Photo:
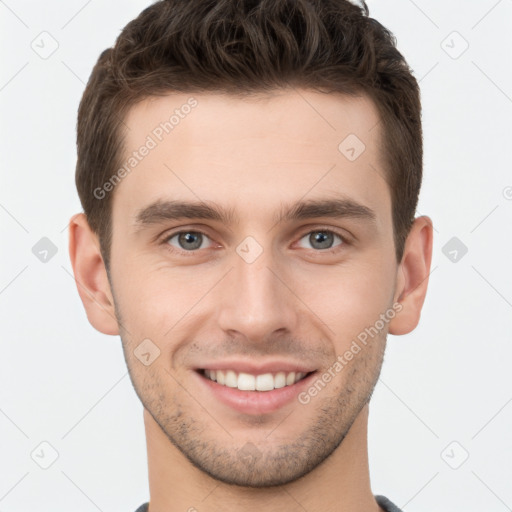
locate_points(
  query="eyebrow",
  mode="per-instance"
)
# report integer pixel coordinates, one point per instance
(163, 210)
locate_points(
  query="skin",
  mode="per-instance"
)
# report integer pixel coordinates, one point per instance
(296, 301)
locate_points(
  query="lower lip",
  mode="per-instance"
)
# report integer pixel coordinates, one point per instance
(255, 402)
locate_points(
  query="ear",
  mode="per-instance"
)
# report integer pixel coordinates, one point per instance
(91, 276)
(412, 276)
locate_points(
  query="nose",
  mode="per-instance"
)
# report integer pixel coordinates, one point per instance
(256, 300)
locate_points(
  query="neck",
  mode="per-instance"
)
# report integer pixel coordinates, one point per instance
(340, 484)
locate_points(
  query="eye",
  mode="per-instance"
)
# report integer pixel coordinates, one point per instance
(322, 239)
(187, 240)
(190, 241)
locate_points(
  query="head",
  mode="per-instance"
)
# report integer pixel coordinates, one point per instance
(295, 129)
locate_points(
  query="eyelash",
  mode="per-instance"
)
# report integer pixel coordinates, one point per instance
(332, 250)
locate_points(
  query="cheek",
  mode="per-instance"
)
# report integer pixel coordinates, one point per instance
(149, 305)
(347, 298)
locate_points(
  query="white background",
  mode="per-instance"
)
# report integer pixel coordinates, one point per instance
(448, 381)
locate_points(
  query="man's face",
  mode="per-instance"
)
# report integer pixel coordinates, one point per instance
(253, 294)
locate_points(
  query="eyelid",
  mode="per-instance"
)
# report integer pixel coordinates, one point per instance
(164, 239)
(347, 238)
(182, 229)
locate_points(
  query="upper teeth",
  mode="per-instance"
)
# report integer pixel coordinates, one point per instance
(248, 382)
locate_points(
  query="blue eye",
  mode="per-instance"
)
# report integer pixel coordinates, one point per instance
(322, 239)
(188, 240)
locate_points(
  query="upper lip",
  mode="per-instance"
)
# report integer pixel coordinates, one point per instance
(257, 368)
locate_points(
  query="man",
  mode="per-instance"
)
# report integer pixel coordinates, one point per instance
(249, 172)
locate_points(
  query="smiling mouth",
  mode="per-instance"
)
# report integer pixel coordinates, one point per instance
(248, 382)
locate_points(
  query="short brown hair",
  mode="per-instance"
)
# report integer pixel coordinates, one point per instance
(244, 47)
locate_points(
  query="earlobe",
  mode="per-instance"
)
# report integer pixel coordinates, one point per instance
(91, 276)
(413, 274)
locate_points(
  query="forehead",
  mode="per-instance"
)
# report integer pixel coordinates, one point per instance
(303, 115)
(251, 152)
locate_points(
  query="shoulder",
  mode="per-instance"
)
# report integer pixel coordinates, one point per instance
(384, 503)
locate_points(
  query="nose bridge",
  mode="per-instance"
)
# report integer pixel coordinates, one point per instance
(255, 302)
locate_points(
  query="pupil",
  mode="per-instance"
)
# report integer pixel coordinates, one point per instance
(322, 238)
(187, 238)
